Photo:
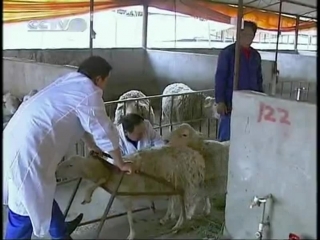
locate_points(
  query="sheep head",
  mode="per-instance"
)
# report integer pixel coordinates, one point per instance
(10, 102)
(71, 168)
(185, 135)
(5, 97)
(134, 107)
(210, 107)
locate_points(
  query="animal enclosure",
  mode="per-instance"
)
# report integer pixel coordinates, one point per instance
(206, 125)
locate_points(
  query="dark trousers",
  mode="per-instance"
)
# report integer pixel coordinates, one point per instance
(224, 128)
(20, 227)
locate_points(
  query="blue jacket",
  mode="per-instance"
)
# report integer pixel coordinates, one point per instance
(250, 75)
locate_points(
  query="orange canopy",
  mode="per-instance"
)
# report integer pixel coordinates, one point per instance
(25, 10)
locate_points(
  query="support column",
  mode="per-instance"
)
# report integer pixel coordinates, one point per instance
(296, 34)
(92, 35)
(145, 26)
(237, 53)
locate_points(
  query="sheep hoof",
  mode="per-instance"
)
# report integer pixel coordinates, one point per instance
(163, 221)
(175, 230)
(131, 236)
(206, 212)
(86, 201)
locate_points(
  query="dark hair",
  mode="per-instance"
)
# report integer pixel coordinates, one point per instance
(95, 66)
(131, 120)
(252, 25)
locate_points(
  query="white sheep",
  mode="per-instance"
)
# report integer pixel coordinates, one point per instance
(182, 167)
(216, 155)
(186, 107)
(6, 119)
(141, 107)
(10, 103)
(29, 95)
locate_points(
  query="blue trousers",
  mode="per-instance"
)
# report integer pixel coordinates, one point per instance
(20, 227)
(224, 128)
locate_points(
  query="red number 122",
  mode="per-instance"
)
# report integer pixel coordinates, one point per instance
(267, 113)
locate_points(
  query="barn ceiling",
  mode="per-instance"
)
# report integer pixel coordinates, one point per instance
(302, 8)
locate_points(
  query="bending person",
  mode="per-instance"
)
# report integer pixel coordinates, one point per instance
(137, 133)
(39, 135)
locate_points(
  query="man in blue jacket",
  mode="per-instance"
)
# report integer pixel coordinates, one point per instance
(250, 76)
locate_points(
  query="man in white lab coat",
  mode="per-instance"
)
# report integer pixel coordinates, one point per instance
(136, 133)
(39, 135)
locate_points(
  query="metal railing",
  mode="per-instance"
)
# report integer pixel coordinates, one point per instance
(295, 90)
(189, 106)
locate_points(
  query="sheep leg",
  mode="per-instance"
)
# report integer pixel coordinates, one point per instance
(192, 199)
(182, 216)
(128, 206)
(170, 214)
(89, 192)
(207, 206)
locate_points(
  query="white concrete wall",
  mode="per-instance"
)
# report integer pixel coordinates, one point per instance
(275, 158)
(149, 71)
(21, 76)
(196, 70)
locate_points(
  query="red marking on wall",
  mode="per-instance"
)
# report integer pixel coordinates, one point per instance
(293, 236)
(272, 114)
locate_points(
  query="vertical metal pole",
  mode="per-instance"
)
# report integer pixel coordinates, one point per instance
(296, 34)
(278, 36)
(237, 53)
(275, 65)
(145, 26)
(175, 24)
(91, 36)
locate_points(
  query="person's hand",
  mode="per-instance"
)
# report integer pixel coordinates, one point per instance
(96, 152)
(127, 167)
(222, 108)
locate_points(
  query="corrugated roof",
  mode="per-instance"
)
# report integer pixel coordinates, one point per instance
(302, 8)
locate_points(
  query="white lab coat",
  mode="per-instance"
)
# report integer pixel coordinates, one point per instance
(39, 135)
(150, 138)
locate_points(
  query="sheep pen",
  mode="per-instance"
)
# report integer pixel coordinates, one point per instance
(141, 106)
(181, 167)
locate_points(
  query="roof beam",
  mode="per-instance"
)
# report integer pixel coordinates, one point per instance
(302, 15)
(267, 10)
(300, 4)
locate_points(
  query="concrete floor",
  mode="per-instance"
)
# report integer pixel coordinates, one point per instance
(146, 222)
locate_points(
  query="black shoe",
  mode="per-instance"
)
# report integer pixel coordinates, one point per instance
(72, 225)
